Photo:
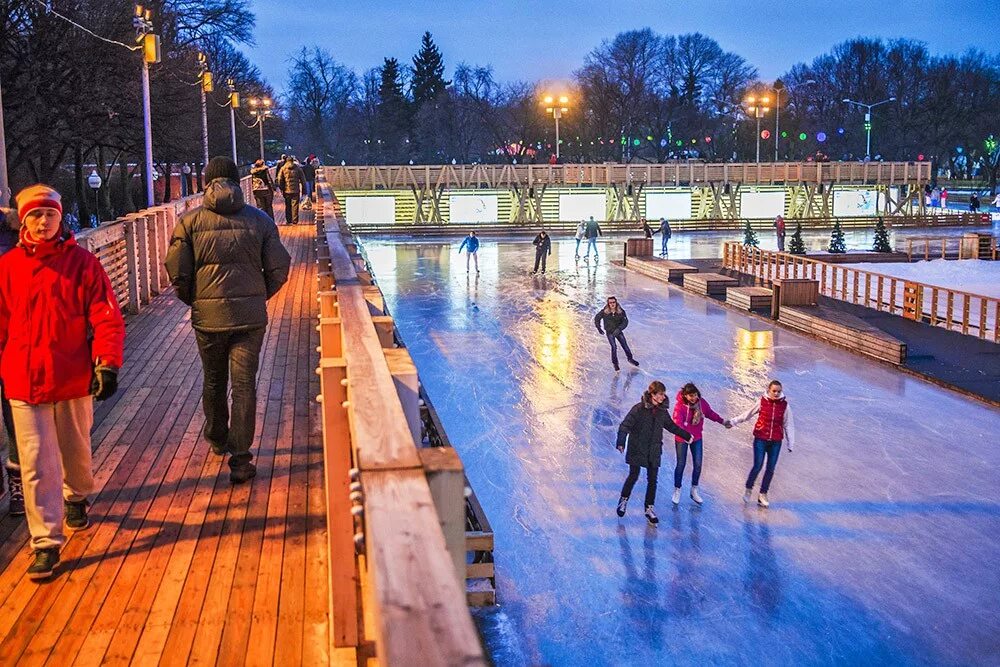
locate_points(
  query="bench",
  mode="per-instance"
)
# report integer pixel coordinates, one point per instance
(749, 298)
(661, 269)
(844, 330)
(709, 284)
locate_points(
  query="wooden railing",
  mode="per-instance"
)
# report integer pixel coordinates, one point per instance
(132, 248)
(955, 310)
(948, 247)
(403, 177)
(395, 514)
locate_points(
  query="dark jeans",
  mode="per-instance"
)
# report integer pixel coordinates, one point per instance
(310, 189)
(540, 256)
(230, 355)
(620, 337)
(8, 426)
(633, 476)
(682, 450)
(291, 208)
(770, 448)
(663, 245)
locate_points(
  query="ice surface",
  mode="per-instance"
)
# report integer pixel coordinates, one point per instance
(882, 541)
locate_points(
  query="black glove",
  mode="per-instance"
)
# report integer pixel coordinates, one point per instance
(104, 383)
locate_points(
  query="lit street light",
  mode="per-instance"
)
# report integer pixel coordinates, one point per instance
(206, 87)
(557, 110)
(150, 46)
(777, 110)
(868, 121)
(261, 108)
(94, 181)
(758, 106)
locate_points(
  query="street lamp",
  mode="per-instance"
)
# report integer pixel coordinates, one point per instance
(557, 107)
(234, 104)
(261, 108)
(94, 181)
(149, 43)
(207, 86)
(777, 110)
(868, 121)
(758, 106)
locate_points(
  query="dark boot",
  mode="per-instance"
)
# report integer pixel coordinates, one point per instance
(45, 563)
(16, 507)
(242, 473)
(76, 515)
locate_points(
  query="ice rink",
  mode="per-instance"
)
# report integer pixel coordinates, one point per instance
(882, 541)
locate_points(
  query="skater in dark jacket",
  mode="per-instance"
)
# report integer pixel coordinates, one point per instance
(543, 248)
(642, 432)
(611, 322)
(773, 424)
(646, 229)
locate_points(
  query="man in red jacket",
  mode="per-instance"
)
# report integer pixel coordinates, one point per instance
(52, 294)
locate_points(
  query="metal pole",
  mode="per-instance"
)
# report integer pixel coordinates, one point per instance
(260, 123)
(777, 113)
(868, 133)
(148, 130)
(758, 114)
(232, 129)
(4, 184)
(204, 126)
(556, 115)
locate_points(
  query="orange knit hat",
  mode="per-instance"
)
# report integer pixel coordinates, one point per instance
(37, 196)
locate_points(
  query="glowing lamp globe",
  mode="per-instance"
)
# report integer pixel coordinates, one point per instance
(765, 134)
(803, 136)
(821, 137)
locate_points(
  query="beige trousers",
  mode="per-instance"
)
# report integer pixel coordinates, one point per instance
(53, 440)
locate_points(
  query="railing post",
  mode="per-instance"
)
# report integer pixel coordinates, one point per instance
(446, 478)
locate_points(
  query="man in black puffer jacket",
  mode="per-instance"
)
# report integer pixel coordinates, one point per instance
(225, 261)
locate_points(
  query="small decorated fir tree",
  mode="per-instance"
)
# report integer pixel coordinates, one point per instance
(837, 238)
(750, 236)
(881, 237)
(797, 246)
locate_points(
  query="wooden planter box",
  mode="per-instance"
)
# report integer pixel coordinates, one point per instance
(709, 284)
(749, 298)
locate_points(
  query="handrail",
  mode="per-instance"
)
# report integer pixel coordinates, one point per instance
(668, 173)
(416, 600)
(921, 302)
(948, 243)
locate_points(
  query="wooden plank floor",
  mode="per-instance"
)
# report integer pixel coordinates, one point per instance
(179, 566)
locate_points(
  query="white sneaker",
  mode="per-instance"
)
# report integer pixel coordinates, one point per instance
(762, 500)
(746, 495)
(695, 496)
(677, 497)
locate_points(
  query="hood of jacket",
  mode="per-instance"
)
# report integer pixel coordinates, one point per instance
(223, 196)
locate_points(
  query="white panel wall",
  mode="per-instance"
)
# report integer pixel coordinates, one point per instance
(473, 208)
(669, 205)
(581, 207)
(762, 204)
(370, 209)
(853, 203)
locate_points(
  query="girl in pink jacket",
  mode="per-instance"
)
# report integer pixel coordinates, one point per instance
(690, 413)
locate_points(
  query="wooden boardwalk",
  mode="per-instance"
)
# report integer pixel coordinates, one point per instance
(179, 566)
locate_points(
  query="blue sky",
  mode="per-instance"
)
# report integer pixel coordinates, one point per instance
(532, 40)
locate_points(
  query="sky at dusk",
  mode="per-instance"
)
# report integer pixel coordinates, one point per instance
(532, 40)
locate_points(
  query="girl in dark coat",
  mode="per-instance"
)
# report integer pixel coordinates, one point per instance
(642, 431)
(611, 322)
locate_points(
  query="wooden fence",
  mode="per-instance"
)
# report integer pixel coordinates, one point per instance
(401, 177)
(950, 247)
(395, 513)
(132, 248)
(955, 310)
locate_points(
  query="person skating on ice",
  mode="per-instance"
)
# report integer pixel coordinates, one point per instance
(543, 248)
(773, 425)
(592, 231)
(641, 432)
(690, 413)
(581, 230)
(471, 244)
(665, 235)
(611, 322)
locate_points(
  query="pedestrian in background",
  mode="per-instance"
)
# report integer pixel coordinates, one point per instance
(665, 235)
(291, 180)
(779, 232)
(10, 226)
(592, 231)
(471, 244)
(225, 261)
(62, 341)
(543, 248)
(309, 172)
(263, 187)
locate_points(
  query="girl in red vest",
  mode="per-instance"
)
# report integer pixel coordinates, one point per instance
(774, 424)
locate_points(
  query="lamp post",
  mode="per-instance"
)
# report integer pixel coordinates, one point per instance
(868, 121)
(4, 187)
(207, 86)
(557, 110)
(777, 110)
(94, 181)
(150, 45)
(757, 106)
(261, 108)
(234, 103)
(186, 180)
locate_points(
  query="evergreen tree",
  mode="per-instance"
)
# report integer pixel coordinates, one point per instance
(392, 113)
(797, 246)
(750, 236)
(881, 237)
(428, 72)
(837, 238)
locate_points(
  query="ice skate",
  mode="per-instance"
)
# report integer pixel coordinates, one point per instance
(633, 362)
(695, 496)
(746, 495)
(651, 515)
(676, 499)
(622, 503)
(762, 500)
